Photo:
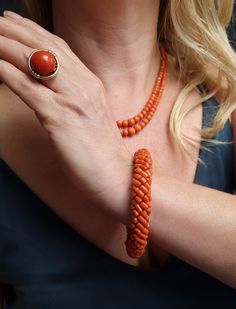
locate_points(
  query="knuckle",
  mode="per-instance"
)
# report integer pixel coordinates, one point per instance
(35, 26)
(3, 66)
(98, 85)
(59, 41)
(41, 40)
(39, 35)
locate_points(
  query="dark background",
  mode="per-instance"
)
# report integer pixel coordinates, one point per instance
(12, 5)
(15, 5)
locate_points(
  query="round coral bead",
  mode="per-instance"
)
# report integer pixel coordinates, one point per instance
(124, 133)
(119, 123)
(131, 131)
(43, 62)
(131, 122)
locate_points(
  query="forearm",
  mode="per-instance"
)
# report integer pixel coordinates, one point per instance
(195, 223)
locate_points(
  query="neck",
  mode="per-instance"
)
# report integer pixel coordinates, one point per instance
(116, 40)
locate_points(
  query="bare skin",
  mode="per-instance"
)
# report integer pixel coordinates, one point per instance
(38, 168)
(46, 179)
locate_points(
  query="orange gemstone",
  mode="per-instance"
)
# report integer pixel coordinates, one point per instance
(146, 198)
(144, 205)
(125, 133)
(137, 128)
(138, 208)
(143, 189)
(142, 220)
(131, 131)
(119, 123)
(145, 214)
(131, 122)
(43, 62)
(125, 123)
(136, 182)
(138, 199)
(135, 213)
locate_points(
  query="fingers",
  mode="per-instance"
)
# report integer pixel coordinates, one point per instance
(27, 88)
(17, 54)
(14, 29)
(25, 33)
(32, 35)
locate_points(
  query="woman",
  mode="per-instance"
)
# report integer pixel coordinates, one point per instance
(61, 148)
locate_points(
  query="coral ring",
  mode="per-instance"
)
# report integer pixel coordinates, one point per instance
(43, 64)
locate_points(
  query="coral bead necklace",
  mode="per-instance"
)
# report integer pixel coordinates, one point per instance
(135, 124)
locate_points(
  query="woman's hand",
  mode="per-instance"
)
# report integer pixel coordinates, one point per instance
(71, 107)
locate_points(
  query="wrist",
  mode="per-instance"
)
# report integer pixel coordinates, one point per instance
(115, 197)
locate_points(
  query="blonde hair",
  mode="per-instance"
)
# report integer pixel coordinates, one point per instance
(194, 33)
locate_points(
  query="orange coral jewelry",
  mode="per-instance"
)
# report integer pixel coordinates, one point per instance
(43, 64)
(138, 229)
(133, 125)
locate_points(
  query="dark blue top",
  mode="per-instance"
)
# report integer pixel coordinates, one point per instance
(46, 264)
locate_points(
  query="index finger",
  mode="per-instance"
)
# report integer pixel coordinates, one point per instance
(32, 35)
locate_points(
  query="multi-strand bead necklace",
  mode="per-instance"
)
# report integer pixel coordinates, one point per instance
(135, 124)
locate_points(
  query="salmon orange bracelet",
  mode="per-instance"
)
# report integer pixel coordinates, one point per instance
(138, 229)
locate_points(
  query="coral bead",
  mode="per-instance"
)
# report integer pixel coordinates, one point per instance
(119, 123)
(43, 62)
(131, 131)
(131, 122)
(125, 123)
(137, 128)
(124, 133)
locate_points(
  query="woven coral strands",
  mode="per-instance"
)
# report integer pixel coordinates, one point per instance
(135, 124)
(138, 230)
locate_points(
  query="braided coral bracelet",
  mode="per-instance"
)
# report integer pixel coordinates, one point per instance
(138, 228)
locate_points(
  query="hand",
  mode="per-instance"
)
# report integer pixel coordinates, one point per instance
(71, 107)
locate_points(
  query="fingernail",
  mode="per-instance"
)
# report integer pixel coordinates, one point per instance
(11, 14)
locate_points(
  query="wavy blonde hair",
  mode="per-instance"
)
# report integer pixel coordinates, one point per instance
(194, 33)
